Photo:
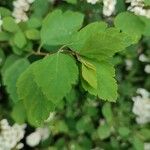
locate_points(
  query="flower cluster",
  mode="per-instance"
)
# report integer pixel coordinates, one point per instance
(36, 137)
(92, 1)
(10, 136)
(137, 6)
(129, 64)
(141, 107)
(20, 9)
(109, 7)
(145, 59)
(146, 146)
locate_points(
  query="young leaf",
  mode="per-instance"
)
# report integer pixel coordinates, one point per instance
(55, 75)
(106, 84)
(58, 27)
(89, 73)
(11, 75)
(87, 87)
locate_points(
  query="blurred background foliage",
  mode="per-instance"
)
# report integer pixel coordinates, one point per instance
(83, 122)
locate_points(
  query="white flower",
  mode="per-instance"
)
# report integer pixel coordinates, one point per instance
(129, 64)
(141, 106)
(146, 146)
(143, 92)
(33, 139)
(147, 69)
(143, 58)
(20, 10)
(19, 146)
(36, 137)
(92, 1)
(137, 7)
(109, 7)
(10, 136)
(44, 132)
(30, 1)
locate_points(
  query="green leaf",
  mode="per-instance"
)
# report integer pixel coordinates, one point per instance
(145, 133)
(4, 36)
(2, 57)
(124, 131)
(88, 87)
(9, 61)
(138, 144)
(97, 42)
(80, 38)
(58, 73)
(146, 31)
(106, 84)
(11, 76)
(104, 131)
(9, 24)
(32, 34)
(34, 22)
(37, 105)
(89, 73)
(130, 23)
(19, 113)
(107, 112)
(19, 39)
(50, 79)
(40, 8)
(147, 2)
(5, 12)
(71, 1)
(16, 50)
(58, 27)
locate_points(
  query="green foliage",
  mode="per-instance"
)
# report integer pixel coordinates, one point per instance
(33, 34)
(147, 2)
(5, 12)
(68, 59)
(58, 27)
(37, 105)
(19, 113)
(11, 75)
(9, 24)
(19, 39)
(95, 41)
(104, 131)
